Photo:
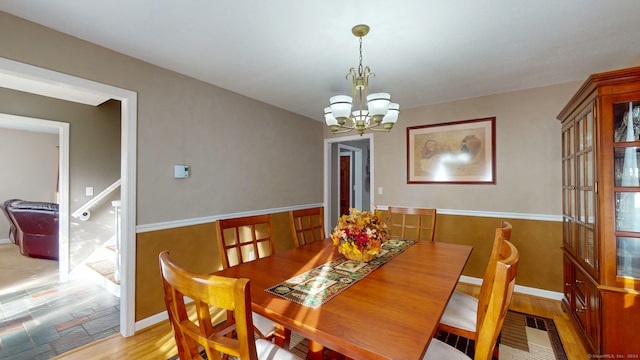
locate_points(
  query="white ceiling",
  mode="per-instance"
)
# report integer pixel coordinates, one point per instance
(295, 54)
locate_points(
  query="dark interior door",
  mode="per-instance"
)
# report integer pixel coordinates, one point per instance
(345, 184)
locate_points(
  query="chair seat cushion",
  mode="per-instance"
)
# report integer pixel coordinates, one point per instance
(439, 350)
(271, 351)
(461, 311)
(265, 326)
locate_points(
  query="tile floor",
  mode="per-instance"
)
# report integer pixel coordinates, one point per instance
(49, 320)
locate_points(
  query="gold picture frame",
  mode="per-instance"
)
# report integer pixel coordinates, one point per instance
(459, 152)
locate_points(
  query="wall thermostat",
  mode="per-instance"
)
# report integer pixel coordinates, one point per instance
(180, 171)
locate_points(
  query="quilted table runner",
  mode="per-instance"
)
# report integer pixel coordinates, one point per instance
(319, 285)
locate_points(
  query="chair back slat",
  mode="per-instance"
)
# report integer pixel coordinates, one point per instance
(502, 233)
(412, 223)
(307, 225)
(244, 239)
(496, 306)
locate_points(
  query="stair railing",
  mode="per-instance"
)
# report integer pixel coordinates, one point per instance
(84, 212)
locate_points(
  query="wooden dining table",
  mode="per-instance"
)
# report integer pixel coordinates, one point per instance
(392, 313)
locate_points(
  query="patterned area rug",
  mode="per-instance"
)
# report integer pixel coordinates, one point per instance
(540, 339)
(523, 337)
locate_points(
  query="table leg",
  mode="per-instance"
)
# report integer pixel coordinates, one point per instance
(315, 351)
(282, 336)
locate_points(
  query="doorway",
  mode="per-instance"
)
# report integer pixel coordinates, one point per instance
(51, 82)
(348, 176)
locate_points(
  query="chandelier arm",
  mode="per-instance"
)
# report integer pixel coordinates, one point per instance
(375, 128)
(354, 82)
(345, 126)
(365, 79)
(378, 130)
(344, 130)
(350, 127)
(386, 127)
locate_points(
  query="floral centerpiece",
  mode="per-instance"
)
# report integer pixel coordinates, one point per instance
(359, 235)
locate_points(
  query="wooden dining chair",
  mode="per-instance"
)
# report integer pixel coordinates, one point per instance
(307, 225)
(245, 239)
(217, 336)
(412, 223)
(491, 310)
(461, 314)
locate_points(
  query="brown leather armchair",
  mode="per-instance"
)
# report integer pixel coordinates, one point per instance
(12, 225)
(36, 227)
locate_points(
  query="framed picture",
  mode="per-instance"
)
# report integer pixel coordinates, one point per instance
(460, 152)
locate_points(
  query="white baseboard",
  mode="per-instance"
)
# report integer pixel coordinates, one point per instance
(553, 295)
(5, 241)
(151, 320)
(157, 318)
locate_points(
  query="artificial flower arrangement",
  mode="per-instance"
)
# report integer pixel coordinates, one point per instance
(359, 235)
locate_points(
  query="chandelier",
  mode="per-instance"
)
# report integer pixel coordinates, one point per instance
(380, 114)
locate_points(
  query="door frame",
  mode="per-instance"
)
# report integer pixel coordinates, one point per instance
(61, 129)
(330, 170)
(129, 119)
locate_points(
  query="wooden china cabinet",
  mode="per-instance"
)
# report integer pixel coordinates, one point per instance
(601, 212)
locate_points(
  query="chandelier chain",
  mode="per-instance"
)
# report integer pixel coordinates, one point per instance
(360, 76)
(360, 68)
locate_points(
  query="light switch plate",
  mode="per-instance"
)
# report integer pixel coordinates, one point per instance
(180, 171)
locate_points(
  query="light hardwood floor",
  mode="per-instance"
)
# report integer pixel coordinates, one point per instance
(157, 342)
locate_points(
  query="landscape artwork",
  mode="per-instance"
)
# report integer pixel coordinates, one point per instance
(456, 152)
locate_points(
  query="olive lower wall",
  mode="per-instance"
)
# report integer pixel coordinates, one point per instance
(539, 243)
(196, 248)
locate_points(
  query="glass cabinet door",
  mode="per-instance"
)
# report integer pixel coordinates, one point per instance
(627, 187)
(586, 247)
(578, 189)
(568, 186)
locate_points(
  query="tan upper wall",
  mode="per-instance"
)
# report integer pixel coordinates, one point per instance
(244, 155)
(527, 154)
(30, 168)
